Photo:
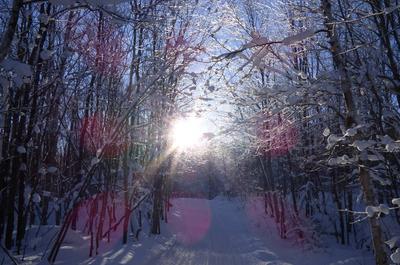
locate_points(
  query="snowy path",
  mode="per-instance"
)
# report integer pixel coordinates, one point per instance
(229, 239)
(216, 232)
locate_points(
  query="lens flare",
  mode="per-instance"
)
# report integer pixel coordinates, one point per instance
(189, 220)
(187, 133)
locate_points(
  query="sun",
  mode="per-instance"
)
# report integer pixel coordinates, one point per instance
(186, 133)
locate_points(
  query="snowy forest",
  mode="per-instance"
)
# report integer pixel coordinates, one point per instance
(200, 132)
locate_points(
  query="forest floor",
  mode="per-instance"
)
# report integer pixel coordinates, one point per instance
(211, 232)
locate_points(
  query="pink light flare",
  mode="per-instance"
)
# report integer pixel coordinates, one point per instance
(97, 218)
(96, 133)
(189, 220)
(276, 134)
(101, 47)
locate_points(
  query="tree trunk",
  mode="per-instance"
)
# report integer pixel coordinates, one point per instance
(351, 120)
(10, 30)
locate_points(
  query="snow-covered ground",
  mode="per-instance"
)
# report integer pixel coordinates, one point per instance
(212, 232)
